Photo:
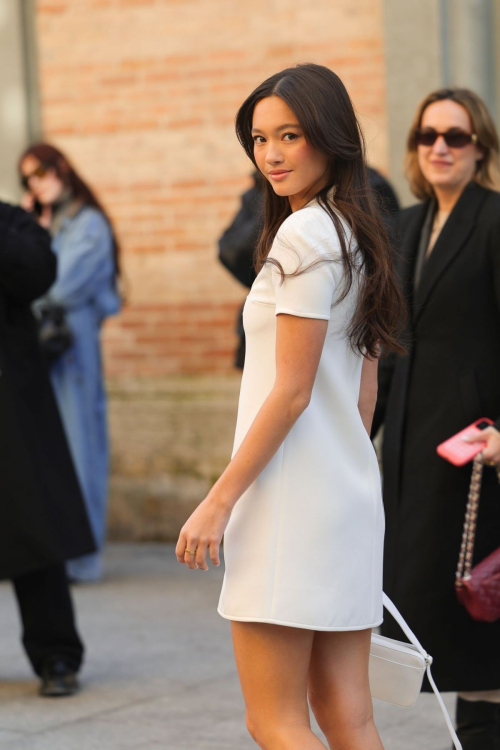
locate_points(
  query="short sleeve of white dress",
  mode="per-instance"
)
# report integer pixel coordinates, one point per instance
(309, 254)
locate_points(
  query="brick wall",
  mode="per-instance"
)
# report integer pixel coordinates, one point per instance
(171, 439)
(142, 94)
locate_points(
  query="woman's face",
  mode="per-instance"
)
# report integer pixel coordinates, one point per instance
(294, 168)
(43, 183)
(444, 167)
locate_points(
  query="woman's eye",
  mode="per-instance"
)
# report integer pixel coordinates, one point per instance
(290, 136)
(258, 139)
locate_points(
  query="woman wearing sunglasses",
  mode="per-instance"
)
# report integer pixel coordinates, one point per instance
(450, 269)
(86, 292)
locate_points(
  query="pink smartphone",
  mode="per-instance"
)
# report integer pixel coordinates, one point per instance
(457, 451)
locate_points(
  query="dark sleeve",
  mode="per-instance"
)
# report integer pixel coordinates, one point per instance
(27, 263)
(494, 252)
(384, 193)
(386, 201)
(237, 244)
(385, 372)
(387, 361)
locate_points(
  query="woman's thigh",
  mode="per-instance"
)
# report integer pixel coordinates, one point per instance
(273, 664)
(338, 683)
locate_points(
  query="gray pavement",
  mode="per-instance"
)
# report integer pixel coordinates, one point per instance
(159, 671)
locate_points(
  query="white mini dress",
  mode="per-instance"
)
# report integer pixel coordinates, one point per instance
(304, 544)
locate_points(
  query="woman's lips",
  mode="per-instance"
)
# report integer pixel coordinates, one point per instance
(279, 174)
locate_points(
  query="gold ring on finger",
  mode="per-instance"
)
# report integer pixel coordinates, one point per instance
(188, 552)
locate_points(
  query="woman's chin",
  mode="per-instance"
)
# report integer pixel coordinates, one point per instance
(44, 200)
(282, 190)
(448, 182)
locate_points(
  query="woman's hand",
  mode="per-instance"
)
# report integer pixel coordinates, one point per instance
(491, 452)
(202, 532)
(45, 217)
(28, 201)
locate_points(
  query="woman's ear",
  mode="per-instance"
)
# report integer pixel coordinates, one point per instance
(479, 161)
(480, 152)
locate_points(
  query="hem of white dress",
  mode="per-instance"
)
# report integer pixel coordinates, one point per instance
(300, 625)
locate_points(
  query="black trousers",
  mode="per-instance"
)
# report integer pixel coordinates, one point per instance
(48, 618)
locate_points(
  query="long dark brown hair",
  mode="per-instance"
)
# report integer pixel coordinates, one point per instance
(324, 110)
(50, 157)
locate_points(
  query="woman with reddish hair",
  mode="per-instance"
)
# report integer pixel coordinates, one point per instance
(83, 295)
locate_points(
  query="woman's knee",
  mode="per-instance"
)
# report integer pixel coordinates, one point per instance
(251, 726)
(262, 731)
(341, 716)
(273, 734)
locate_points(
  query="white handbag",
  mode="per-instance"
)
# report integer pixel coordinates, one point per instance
(397, 669)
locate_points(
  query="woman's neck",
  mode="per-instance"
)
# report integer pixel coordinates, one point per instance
(446, 199)
(65, 206)
(299, 200)
(63, 201)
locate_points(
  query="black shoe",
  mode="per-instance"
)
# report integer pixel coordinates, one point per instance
(477, 725)
(58, 679)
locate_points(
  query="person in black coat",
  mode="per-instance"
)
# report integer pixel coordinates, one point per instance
(237, 247)
(449, 264)
(42, 516)
(238, 242)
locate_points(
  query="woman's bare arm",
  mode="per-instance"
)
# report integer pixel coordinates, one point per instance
(368, 392)
(299, 343)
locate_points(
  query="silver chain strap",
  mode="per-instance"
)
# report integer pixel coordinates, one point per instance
(470, 523)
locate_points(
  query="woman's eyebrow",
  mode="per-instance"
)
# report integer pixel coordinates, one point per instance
(281, 127)
(450, 129)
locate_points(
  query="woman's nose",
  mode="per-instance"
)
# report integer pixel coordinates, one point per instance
(274, 155)
(440, 146)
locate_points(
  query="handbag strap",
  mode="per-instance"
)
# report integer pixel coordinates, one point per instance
(390, 607)
(469, 533)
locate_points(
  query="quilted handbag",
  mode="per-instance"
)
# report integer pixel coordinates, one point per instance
(397, 669)
(478, 587)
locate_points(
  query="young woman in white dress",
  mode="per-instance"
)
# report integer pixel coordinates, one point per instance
(300, 502)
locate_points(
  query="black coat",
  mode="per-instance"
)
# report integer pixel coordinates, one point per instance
(450, 378)
(238, 242)
(42, 515)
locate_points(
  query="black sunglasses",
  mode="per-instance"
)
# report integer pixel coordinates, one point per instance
(40, 171)
(452, 138)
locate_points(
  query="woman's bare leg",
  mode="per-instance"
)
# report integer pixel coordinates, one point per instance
(273, 663)
(339, 690)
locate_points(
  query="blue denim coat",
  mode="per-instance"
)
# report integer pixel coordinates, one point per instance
(86, 288)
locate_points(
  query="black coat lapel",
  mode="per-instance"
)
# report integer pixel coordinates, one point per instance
(405, 261)
(453, 237)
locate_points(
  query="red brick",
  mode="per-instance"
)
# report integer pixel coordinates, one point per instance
(142, 95)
